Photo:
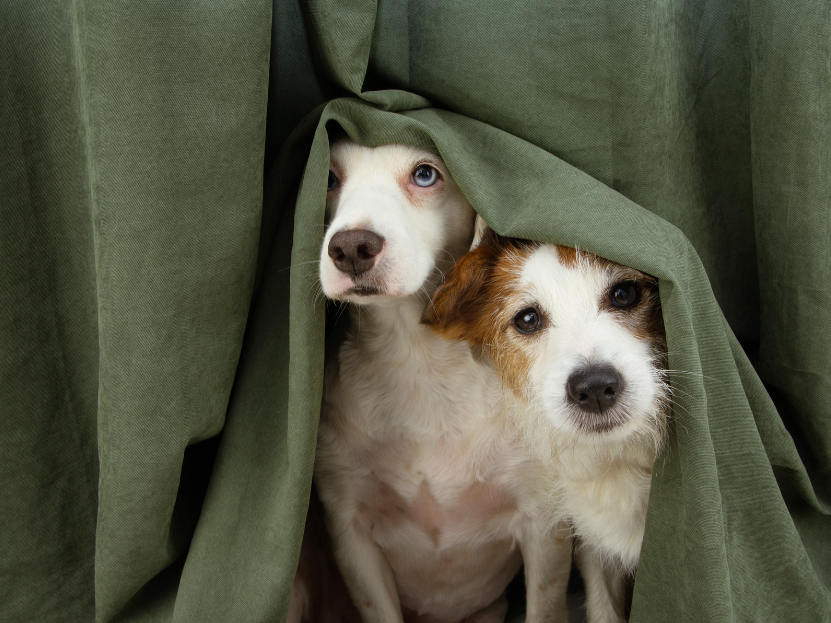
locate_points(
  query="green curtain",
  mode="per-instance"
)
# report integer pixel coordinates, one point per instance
(162, 182)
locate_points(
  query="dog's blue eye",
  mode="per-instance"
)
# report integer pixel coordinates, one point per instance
(425, 175)
(333, 182)
(624, 294)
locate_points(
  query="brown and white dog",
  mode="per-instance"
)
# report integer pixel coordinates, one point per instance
(432, 502)
(579, 342)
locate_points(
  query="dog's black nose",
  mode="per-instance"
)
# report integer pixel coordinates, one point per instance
(353, 251)
(594, 388)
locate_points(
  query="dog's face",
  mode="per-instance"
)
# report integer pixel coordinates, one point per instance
(394, 215)
(581, 339)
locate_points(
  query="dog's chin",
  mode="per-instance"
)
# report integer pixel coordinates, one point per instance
(614, 423)
(617, 425)
(364, 295)
(354, 290)
(373, 291)
(364, 291)
(598, 423)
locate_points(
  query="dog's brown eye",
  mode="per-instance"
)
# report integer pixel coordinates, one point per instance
(528, 320)
(425, 175)
(333, 182)
(625, 294)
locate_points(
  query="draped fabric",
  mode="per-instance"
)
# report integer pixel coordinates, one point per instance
(162, 184)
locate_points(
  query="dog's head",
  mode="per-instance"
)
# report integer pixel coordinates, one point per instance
(394, 215)
(579, 338)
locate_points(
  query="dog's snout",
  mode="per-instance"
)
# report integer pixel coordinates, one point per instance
(594, 388)
(354, 251)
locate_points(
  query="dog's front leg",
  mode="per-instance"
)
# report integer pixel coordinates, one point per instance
(365, 570)
(605, 587)
(546, 554)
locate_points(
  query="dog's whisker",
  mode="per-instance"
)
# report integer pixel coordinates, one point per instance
(451, 260)
(340, 312)
(315, 289)
(704, 376)
(430, 301)
(675, 404)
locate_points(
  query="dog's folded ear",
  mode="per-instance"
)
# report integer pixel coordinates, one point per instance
(456, 304)
(481, 231)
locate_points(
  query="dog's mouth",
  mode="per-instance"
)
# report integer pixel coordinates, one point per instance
(364, 290)
(597, 423)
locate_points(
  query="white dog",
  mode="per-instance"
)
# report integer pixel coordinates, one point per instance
(431, 502)
(580, 343)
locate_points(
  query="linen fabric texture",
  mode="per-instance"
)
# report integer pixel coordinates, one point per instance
(162, 184)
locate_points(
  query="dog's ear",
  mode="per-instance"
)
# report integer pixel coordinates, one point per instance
(458, 303)
(481, 232)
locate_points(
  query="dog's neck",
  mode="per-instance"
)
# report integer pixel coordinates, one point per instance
(598, 460)
(411, 366)
(583, 458)
(391, 323)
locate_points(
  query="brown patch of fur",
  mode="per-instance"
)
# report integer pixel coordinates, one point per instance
(568, 256)
(512, 352)
(471, 304)
(457, 303)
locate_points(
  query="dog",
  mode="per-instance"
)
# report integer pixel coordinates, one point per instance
(431, 501)
(579, 342)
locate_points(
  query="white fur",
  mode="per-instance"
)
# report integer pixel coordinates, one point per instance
(417, 239)
(431, 500)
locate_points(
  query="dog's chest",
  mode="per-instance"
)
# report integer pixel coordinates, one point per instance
(424, 452)
(415, 454)
(430, 495)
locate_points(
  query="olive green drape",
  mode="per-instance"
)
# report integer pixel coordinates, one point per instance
(161, 340)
